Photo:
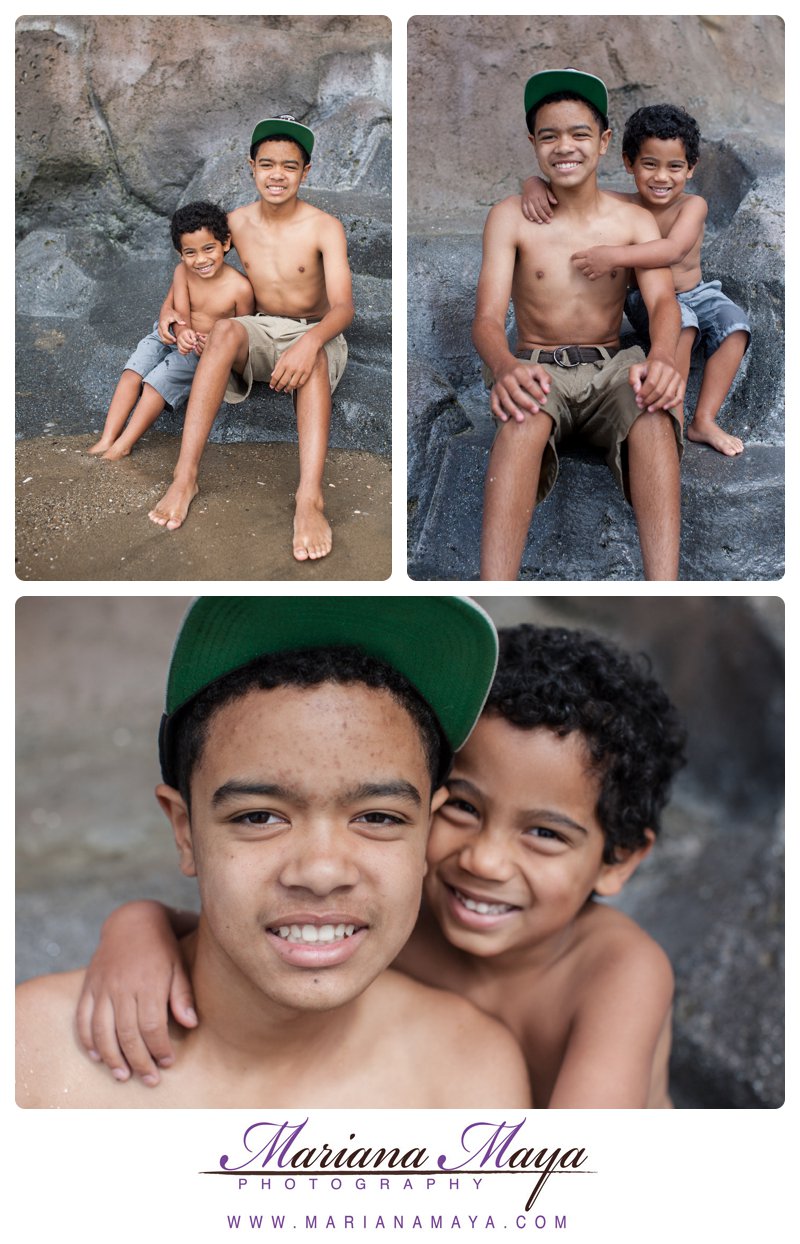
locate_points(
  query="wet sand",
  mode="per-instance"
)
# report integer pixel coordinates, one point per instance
(81, 518)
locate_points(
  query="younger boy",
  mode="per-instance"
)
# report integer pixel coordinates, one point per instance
(660, 148)
(296, 258)
(553, 801)
(204, 289)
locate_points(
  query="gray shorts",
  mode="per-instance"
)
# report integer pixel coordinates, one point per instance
(269, 336)
(164, 368)
(704, 308)
(595, 403)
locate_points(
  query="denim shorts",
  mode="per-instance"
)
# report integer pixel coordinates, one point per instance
(164, 368)
(704, 308)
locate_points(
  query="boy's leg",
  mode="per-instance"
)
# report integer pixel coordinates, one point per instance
(683, 359)
(509, 498)
(718, 374)
(226, 350)
(654, 476)
(312, 532)
(126, 395)
(147, 410)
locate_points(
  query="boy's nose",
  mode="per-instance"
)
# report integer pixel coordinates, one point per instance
(320, 860)
(484, 855)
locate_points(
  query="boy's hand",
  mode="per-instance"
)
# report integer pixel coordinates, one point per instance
(167, 318)
(538, 201)
(200, 343)
(134, 973)
(657, 384)
(595, 262)
(519, 390)
(294, 366)
(186, 340)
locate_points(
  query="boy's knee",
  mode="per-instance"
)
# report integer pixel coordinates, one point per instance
(226, 334)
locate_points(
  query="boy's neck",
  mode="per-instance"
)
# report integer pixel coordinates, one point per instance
(273, 212)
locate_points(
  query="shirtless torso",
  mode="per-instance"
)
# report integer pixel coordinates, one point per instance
(284, 257)
(594, 1023)
(554, 304)
(398, 1045)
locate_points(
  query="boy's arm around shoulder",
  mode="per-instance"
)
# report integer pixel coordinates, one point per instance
(627, 995)
(652, 251)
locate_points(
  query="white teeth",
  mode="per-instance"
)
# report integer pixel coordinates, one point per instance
(314, 932)
(484, 909)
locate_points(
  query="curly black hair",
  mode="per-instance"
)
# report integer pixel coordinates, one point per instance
(200, 215)
(556, 97)
(575, 681)
(304, 667)
(661, 121)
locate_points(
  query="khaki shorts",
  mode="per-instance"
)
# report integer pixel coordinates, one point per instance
(595, 403)
(269, 337)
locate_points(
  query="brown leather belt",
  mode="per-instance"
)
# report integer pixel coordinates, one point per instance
(571, 356)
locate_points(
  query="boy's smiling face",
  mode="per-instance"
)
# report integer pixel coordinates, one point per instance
(310, 811)
(517, 849)
(660, 170)
(568, 142)
(278, 170)
(202, 253)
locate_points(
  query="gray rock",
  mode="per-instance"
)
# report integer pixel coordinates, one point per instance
(49, 282)
(152, 123)
(434, 416)
(732, 518)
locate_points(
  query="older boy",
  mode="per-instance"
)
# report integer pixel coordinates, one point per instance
(554, 799)
(296, 259)
(309, 873)
(206, 289)
(568, 374)
(660, 148)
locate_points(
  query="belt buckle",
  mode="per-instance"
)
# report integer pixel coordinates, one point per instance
(558, 362)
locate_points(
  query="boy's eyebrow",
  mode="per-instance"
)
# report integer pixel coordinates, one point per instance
(391, 789)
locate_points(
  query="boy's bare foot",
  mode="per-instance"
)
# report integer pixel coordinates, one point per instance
(710, 434)
(171, 510)
(100, 447)
(312, 532)
(115, 453)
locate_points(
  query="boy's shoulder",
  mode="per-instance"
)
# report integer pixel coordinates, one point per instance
(49, 1060)
(612, 950)
(458, 1045)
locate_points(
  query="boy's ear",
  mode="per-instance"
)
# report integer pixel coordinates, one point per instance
(176, 812)
(226, 246)
(627, 163)
(612, 877)
(305, 171)
(605, 139)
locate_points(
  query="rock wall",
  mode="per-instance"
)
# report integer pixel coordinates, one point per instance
(122, 119)
(468, 148)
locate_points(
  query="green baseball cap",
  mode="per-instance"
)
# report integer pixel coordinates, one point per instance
(552, 81)
(284, 125)
(446, 646)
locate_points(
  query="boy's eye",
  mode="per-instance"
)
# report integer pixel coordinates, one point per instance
(540, 833)
(261, 817)
(461, 806)
(379, 818)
